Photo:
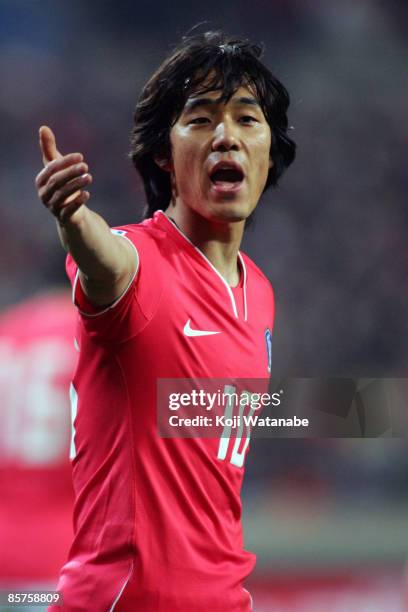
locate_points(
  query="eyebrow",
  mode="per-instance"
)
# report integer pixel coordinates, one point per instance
(194, 103)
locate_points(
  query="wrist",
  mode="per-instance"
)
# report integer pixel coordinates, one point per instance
(75, 220)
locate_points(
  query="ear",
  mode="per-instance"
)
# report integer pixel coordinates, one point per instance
(164, 163)
(271, 164)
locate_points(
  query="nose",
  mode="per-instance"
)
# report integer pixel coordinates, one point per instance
(225, 138)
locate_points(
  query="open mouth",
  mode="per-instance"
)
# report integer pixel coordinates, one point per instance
(226, 177)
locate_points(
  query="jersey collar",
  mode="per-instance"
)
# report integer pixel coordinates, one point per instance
(172, 229)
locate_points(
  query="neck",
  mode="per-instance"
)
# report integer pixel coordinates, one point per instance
(218, 241)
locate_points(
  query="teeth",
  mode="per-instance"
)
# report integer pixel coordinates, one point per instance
(227, 167)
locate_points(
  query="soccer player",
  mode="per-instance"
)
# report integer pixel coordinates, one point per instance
(37, 355)
(158, 521)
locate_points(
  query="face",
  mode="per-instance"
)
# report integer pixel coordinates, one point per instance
(220, 155)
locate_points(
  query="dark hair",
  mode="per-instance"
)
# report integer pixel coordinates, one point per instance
(204, 62)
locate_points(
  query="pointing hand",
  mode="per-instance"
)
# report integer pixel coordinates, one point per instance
(60, 183)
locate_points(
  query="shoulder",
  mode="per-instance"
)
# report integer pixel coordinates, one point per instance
(256, 277)
(148, 227)
(135, 230)
(145, 236)
(260, 293)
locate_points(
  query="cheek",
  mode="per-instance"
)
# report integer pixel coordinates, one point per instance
(267, 155)
(185, 161)
(186, 167)
(261, 153)
(262, 143)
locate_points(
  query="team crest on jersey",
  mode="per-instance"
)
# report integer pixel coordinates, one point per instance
(268, 342)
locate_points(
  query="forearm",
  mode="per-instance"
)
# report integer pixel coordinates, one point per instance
(96, 251)
(106, 262)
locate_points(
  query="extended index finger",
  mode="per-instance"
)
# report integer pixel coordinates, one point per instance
(56, 165)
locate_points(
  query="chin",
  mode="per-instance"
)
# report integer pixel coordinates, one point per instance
(229, 211)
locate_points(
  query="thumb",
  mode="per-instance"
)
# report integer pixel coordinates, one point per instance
(47, 144)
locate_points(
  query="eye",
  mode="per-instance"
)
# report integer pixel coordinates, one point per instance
(248, 119)
(199, 120)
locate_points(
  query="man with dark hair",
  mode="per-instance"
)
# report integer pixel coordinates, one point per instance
(157, 520)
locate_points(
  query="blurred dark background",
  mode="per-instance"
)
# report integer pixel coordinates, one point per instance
(332, 237)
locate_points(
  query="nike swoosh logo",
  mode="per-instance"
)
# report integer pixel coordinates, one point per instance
(197, 332)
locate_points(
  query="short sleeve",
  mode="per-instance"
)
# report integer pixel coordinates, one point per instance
(133, 310)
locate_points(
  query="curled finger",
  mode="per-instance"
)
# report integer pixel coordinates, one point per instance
(66, 193)
(55, 166)
(69, 209)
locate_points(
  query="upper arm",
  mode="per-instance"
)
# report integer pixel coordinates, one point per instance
(102, 293)
(137, 300)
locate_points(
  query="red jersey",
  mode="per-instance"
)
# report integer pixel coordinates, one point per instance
(37, 357)
(158, 521)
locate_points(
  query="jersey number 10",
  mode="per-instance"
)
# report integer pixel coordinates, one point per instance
(237, 456)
